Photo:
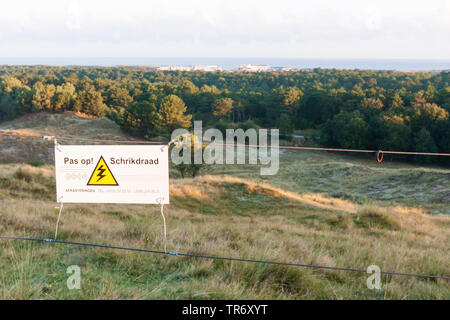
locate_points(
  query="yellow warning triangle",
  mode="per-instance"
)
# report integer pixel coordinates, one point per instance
(102, 176)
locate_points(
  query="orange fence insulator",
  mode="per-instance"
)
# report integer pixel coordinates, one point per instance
(380, 156)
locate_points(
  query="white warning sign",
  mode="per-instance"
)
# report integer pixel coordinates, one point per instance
(112, 174)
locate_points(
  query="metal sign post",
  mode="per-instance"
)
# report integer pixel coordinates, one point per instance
(61, 205)
(161, 203)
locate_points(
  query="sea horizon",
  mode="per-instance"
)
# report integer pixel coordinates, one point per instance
(231, 63)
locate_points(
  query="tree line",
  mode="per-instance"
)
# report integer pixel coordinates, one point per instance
(367, 109)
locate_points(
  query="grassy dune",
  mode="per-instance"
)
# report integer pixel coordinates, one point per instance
(16, 148)
(311, 213)
(321, 208)
(358, 179)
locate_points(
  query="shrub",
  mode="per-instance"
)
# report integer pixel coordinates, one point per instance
(36, 163)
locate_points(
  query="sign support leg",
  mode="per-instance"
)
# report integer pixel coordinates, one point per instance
(165, 227)
(61, 205)
(161, 203)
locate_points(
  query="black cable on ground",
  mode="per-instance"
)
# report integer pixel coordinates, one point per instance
(193, 255)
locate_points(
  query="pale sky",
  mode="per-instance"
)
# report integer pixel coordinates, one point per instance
(410, 29)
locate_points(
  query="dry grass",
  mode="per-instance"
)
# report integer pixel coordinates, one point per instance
(219, 215)
(319, 201)
(357, 179)
(23, 149)
(321, 208)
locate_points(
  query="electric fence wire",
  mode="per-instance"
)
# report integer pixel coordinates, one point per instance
(62, 138)
(203, 256)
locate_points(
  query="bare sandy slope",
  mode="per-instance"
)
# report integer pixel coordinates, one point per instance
(17, 148)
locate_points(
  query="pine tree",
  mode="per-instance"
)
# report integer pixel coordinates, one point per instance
(172, 115)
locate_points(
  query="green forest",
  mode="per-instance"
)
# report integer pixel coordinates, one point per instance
(385, 110)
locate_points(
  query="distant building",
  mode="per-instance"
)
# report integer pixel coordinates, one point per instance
(216, 68)
(188, 68)
(173, 68)
(284, 69)
(207, 68)
(253, 68)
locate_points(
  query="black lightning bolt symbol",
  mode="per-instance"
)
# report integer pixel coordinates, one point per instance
(100, 174)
